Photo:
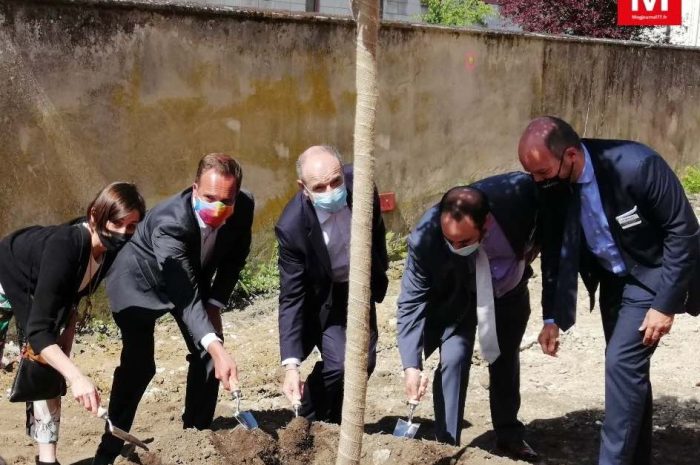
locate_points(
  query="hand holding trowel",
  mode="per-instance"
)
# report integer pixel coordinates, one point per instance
(416, 385)
(120, 433)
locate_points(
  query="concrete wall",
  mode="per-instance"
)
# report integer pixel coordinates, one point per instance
(95, 92)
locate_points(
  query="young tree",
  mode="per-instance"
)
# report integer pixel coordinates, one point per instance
(357, 336)
(456, 12)
(592, 18)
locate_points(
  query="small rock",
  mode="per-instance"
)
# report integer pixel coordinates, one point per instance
(380, 456)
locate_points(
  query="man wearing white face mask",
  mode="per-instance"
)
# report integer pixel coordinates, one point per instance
(466, 274)
(314, 244)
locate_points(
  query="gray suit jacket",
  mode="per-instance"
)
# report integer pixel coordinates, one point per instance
(160, 266)
(438, 287)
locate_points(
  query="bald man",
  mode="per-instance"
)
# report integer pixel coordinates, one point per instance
(615, 212)
(314, 243)
(468, 267)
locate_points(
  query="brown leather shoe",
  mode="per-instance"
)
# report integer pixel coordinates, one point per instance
(518, 449)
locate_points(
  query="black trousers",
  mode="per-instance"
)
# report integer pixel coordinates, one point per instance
(323, 391)
(137, 367)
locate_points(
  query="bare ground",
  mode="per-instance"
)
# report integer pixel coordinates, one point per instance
(562, 401)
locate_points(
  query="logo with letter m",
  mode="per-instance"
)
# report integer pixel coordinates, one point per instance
(649, 12)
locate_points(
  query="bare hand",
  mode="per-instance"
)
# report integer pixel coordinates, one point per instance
(292, 387)
(655, 325)
(85, 393)
(416, 384)
(549, 339)
(225, 367)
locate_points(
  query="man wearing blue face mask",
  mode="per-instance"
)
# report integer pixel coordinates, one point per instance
(314, 243)
(466, 273)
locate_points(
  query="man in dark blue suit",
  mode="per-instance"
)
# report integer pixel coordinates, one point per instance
(314, 243)
(614, 212)
(468, 266)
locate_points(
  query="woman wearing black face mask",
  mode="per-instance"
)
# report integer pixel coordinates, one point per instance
(44, 272)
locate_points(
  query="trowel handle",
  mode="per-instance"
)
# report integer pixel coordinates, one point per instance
(102, 413)
(236, 394)
(412, 405)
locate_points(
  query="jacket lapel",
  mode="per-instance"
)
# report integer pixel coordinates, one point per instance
(315, 235)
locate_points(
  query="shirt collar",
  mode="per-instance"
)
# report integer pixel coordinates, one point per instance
(587, 173)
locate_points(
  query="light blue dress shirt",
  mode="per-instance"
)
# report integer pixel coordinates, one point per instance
(594, 222)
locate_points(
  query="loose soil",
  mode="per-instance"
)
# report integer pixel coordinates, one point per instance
(562, 401)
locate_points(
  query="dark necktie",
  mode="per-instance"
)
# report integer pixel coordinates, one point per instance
(567, 279)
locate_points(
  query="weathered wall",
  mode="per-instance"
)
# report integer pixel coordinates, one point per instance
(95, 92)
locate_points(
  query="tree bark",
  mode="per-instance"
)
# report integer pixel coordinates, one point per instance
(358, 331)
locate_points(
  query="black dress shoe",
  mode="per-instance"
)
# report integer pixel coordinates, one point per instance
(518, 449)
(103, 459)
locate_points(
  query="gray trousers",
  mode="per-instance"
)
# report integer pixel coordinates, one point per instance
(452, 375)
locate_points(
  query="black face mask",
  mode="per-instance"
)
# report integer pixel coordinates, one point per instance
(556, 183)
(115, 241)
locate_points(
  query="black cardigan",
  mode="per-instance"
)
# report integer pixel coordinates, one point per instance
(41, 268)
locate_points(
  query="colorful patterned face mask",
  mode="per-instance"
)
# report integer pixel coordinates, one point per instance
(213, 214)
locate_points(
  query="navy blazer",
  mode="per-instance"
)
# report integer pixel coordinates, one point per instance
(160, 267)
(661, 251)
(438, 286)
(305, 271)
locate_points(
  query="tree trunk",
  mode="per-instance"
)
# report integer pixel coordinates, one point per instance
(353, 418)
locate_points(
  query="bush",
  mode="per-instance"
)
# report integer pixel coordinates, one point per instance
(396, 246)
(258, 278)
(691, 180)
(456, 12)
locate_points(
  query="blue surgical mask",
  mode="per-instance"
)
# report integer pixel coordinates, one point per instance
(464, 251)
(332, 201)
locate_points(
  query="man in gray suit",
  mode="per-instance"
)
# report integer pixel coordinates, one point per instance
(184, 259)
(468, 266)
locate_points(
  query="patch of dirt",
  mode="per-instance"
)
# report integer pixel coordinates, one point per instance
(296, 442)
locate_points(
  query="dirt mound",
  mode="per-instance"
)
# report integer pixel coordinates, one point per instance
(299, 443)
(296, 442)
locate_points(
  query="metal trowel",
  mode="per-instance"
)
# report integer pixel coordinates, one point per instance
(246, 419)
(407, 429)
(118, 432)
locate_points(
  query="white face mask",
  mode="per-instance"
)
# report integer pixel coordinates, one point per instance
(464, 251)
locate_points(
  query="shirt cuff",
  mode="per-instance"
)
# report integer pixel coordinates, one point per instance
(215, 303)
(291, 360)
(208, 339)
(548, 321)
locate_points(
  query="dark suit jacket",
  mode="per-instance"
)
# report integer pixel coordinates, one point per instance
(160, 268)
(305, 272)
(661, 252)
(41, 268)
(438, 286)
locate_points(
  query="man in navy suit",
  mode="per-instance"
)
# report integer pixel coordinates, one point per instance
(314, 243)
(614, 212)
(468, 266)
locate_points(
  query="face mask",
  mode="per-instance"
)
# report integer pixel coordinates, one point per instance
(213, 214)
(464, 251)
(555, 181)
(115, 241)
(332, 201)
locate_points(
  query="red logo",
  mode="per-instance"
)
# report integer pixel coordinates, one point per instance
(649, 12)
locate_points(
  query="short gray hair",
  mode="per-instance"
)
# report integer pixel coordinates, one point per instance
(327, 148)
